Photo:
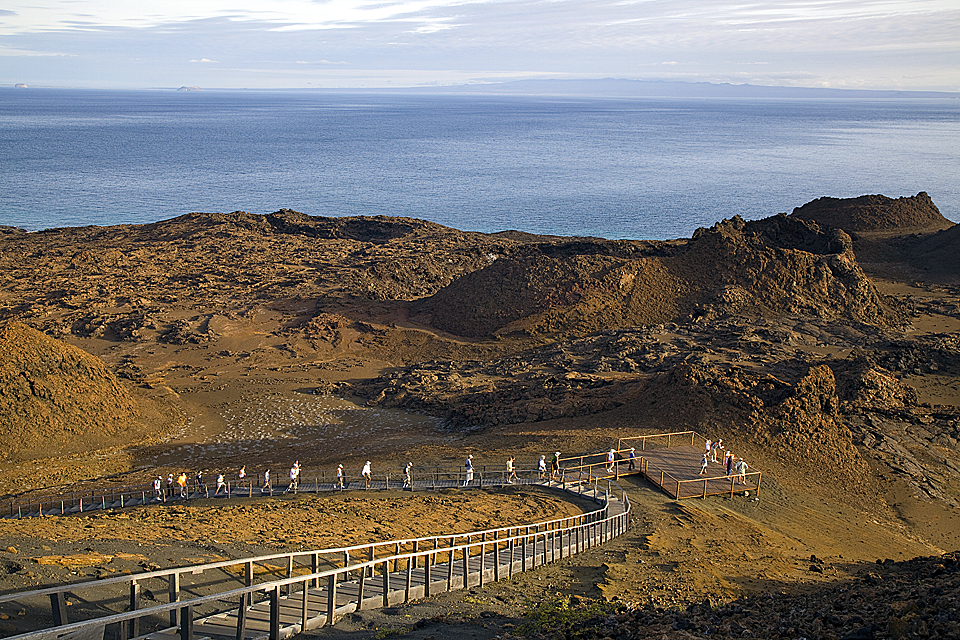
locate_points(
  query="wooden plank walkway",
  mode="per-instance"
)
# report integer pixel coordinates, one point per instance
(368, 587)
(676, 470)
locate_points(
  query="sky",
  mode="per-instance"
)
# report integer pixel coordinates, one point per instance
(268, 44)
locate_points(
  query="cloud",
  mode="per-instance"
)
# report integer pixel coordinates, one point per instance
(14, 52)
(205, 61)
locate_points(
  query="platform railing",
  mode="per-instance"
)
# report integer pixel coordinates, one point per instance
(73, 502)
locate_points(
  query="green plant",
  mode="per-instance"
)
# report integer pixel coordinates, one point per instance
(390, 632)
(561, 614)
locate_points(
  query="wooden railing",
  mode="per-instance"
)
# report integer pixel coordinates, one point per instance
(207, 589)
(701, 487)
(72, 502)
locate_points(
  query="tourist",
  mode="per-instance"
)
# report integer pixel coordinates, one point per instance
(511, 471)
(241, 475)
(340, 477)
(156, 487)
(703, 465)
(611, 460)
(170, 484)
(715, 449)
(182, 483)
(728, 462)
(741, 470)
(542, 467)
(199, 480)
(555, 466)
(469, 470)
(294, 477)
(633, 459)
(221, 485)
(365, 472)
(266, 488)
(406, 475)
(708, 446)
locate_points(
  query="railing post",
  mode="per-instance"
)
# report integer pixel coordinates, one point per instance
(360, 581)
(173, 590)
(275, 613)
(58, 605)
(450, 561)
(496, 556)
(186, 623)
(134, 605)
(426, 576)
(242, 616)
(386, 583)
(332, 597)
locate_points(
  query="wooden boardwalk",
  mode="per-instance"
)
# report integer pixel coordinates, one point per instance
(676, 470)
(392, 581)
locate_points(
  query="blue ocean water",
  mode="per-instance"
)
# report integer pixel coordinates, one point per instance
(615, 168)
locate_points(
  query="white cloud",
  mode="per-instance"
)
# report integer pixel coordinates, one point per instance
(701, 39)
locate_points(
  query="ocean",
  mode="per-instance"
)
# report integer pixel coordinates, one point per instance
(617, 168)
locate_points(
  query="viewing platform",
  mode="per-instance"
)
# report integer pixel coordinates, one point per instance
(672, 462)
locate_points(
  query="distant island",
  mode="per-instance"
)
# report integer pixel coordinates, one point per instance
(20, 85)
(186, 88)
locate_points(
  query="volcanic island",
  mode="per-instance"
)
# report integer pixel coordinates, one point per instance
(822, 346)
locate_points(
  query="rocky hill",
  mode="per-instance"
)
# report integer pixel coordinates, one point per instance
(767, 267)
(875, 213)
(58, 399)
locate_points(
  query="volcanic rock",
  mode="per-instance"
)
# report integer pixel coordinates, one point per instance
(875, 213)
(55, 398)
(772, 266)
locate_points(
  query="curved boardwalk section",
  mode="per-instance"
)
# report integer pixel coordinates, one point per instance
(280, 595)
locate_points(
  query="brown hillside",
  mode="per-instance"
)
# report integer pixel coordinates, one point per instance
(776, 265)
(57, 399)
(875, 213)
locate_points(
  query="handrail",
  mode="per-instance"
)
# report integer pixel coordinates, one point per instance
(141, 495)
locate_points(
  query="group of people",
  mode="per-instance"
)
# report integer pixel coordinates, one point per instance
(711, 453)
(612, 459)
(732, 464)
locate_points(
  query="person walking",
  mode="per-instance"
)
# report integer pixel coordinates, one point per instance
(221, 485)
(632, 456)
(266, 488)
(703, 464)
(741, 470)
(241, 476)
(611, 460)
(157, 490)
(728, 462)
(182, 483)
(715, 450)
(340, 477)
(170, 484)
(511, 470)
(708, 446)
(406, 475)
(365, 472)
(542, 467)
(555, 466)
(201, 488)
(294, 478)
(468, 465)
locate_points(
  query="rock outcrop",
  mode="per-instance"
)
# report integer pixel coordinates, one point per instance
(773, 266)
(875, 213)
(56, 399)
